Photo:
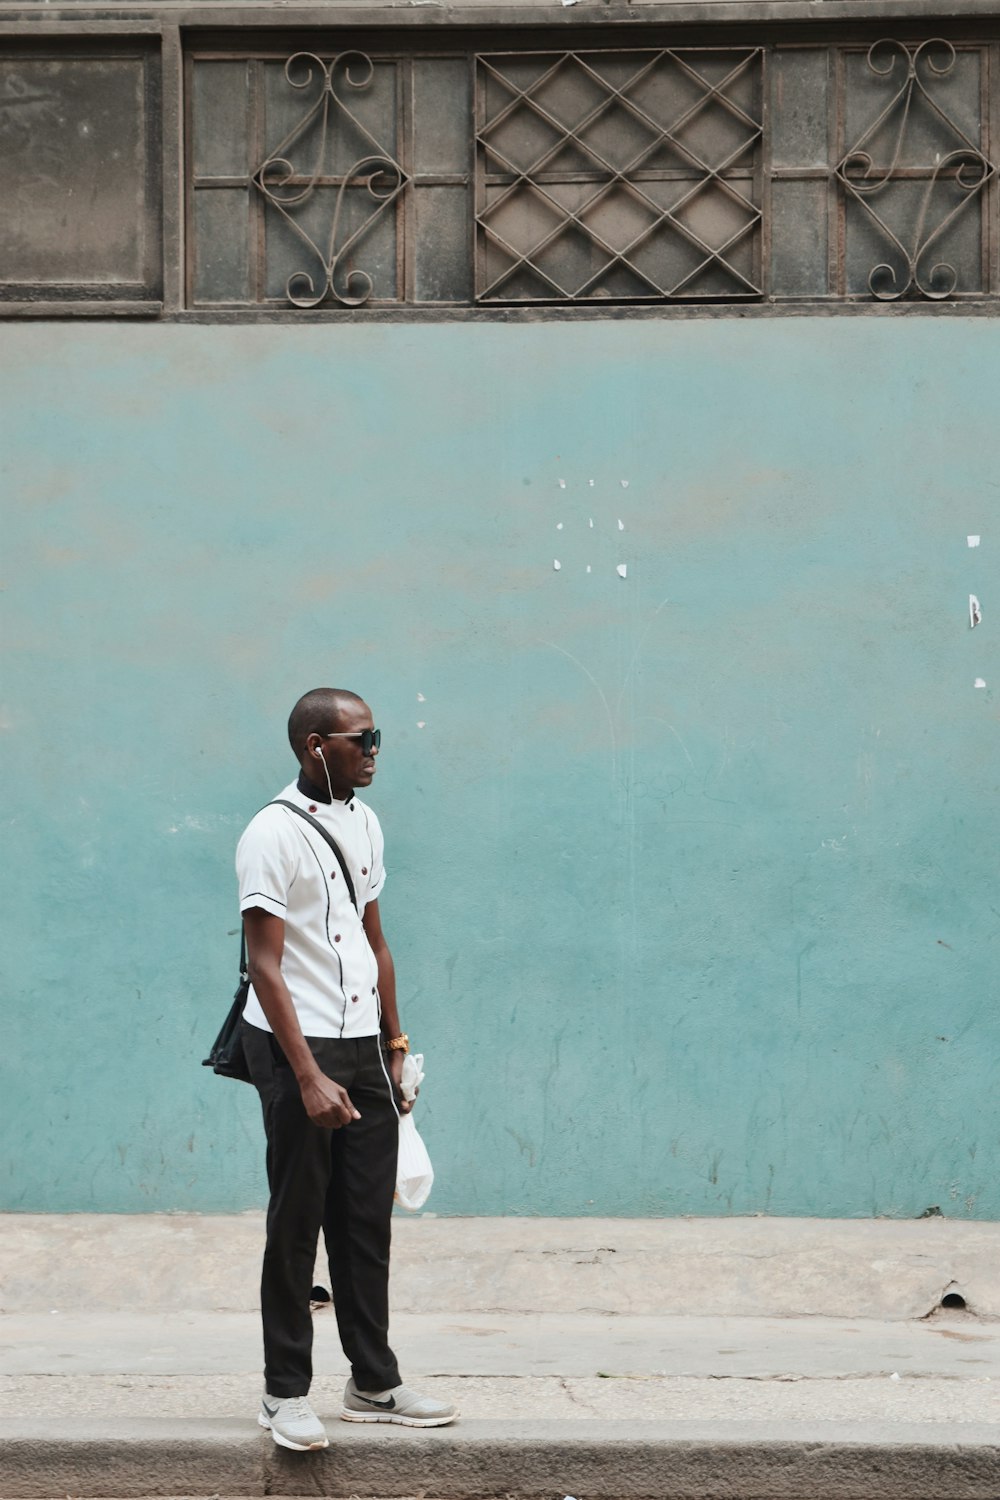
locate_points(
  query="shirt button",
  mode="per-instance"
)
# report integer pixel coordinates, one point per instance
(336, 937)
(312, 807)
(363, 870)
(354, 998)
(333, 874)
(352, 807)
(373, 989)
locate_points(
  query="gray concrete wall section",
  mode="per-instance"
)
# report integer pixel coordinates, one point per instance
(420, 13)
(683, 1359)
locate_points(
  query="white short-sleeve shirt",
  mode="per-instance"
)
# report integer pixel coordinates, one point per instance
(286, 868)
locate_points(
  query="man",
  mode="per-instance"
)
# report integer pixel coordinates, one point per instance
(325, 1048)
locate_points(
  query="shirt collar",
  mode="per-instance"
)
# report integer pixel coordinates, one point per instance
(315, 792)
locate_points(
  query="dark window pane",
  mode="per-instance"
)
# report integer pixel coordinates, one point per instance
(800, 108)
(799, 239)
(705, 247)
(221, 250)
(73, 171)
(442, 115)
(950, 258)
(364, 248)
(941, 109)
(443, 249)
(219, 117)
(329, 132)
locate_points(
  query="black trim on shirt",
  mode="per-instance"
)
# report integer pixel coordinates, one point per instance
(371, 846)
(314, 791)
(311, 790)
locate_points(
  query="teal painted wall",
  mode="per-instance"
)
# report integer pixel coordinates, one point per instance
(692, 873)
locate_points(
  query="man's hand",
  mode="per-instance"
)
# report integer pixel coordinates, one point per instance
(326, 1103)
(396, 1074)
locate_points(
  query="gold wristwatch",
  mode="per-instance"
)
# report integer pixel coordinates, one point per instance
(399, 1043)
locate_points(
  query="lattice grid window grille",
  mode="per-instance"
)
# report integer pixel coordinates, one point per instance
(618, 176)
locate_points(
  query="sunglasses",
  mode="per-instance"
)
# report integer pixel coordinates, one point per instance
(368, 739)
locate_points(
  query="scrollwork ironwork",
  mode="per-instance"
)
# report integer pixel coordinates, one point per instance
(965, 166)
(286, 190)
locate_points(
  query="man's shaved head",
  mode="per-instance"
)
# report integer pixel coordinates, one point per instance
(318, 712)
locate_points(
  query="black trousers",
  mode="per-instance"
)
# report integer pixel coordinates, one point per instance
(340, 1181)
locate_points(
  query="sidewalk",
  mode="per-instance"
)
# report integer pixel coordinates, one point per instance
(595, 1358)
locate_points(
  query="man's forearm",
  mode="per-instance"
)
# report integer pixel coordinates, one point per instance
(276, 1003)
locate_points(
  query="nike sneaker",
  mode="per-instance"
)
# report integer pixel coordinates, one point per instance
(399, 1404)
(292, 1423)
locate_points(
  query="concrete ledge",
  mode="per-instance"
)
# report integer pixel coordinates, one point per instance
(83, 1457)
(548, 13)
(481, 1460)
(868, 1268)
(649, 1460)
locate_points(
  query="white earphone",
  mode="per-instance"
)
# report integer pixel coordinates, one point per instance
(326, 768)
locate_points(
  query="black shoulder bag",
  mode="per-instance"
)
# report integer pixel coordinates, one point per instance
(227, 1057)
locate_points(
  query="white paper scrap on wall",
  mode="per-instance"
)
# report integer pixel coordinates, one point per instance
(624, 484)
(556, 564)
(421, 698)
(559, 526)
(621, 524)
(979, 682)
(591, 523)
(973, 541)
(421, 723)
(975, 613)
(622, 570)
(588, 567)
(562, 484)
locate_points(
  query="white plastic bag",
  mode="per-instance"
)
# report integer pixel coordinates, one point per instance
(414, 1173)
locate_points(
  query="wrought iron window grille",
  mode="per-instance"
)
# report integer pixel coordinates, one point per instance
(954, 180)
(618, 176)
(287, 190)
(443, 176)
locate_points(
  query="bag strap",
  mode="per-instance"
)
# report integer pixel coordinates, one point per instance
(280, 802)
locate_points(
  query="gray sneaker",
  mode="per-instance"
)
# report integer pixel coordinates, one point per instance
(399, 1404)
(292, 1423)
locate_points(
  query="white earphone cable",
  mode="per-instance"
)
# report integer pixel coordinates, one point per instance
(326, 770)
